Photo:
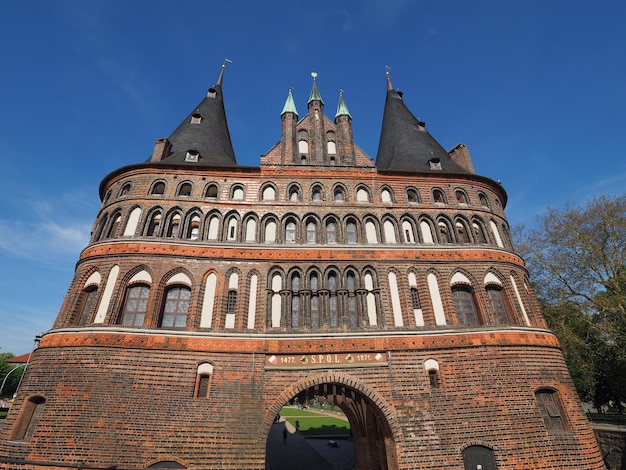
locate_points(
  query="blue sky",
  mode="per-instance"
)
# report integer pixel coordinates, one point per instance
(535, 89)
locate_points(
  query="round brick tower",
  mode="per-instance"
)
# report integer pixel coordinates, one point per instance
(212, 294)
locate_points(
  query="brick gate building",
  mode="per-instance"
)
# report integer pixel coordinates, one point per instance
(211, 294)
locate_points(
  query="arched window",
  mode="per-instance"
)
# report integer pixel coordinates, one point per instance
(194, 228)
(331, 147)
(251, 230)
(339, 194)
(211, 191)
(444, 231)
(27, 420)
(386, 195)
(174, 226)
(478, 457)
(184, 190)
(237, 193)
(407, 231)
(303, 146)
(351, 302)
(294, 193)
(158, 188)
(311, 232)
(332, 300)
(461, 197)
(371, 233)
(268, 193)
(114, 227)
(231, 230)
(176, 307)
(438, 196)
(87, 304)
(270, 231)
(412, 196)
(331, 231)
(135, 305)
(203, 380)
(154, 225)
(390, 231)
(465, 305)
(231, 301)
(461, 229)
(351, 234)
(551, 410)
(214, 228)
(295, 300)
(314, 302)
(479, 232)
(317, 194)
(483, 200)
(362, 195)
(427, 232)
(125, 189)
(290, 231)
(498, 304)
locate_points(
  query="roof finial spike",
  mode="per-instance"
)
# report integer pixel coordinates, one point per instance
(389, 85)
(314, 75)
(221, 77)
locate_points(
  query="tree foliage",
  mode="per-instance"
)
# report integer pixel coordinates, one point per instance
(577, 260)
(10, 386)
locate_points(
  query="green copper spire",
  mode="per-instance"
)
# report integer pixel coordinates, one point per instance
(342, 108)
(315, 93)
(290, 106)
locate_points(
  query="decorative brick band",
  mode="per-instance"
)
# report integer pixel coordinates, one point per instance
(154, 340)
(298, 254)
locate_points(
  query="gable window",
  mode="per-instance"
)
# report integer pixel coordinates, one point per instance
(135, 305)
(465, 305)
(176, 307)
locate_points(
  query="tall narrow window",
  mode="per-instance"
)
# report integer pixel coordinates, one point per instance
(290, 232)
(351, 236)
(25, 425)
(231, 233)
(332, 299)
(194, 228)
(316, 194)
(154, 225)
(465, 306)
(203, 381)
(174, 227)
(462, 231)
(311, 232)
(498, 305)
(176, 307)
(135, 305)
(352, 309)
(89, 298)
(314, 306)
(551, 410)
(444, 230)
(331, 231)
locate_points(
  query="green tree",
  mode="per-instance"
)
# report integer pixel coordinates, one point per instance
(10, 386)
(577, 259)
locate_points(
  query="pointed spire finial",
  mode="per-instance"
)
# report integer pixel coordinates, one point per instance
(221, 77)
(342, 108)
(290, 106)
(315, 93)
(389, 85)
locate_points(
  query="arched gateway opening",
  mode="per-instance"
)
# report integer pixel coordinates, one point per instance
(371, 430)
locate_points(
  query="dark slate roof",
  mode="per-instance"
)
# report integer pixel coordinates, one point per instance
(210, 137)
(406, 145)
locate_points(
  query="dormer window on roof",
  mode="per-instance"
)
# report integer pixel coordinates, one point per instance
(212, 93)
(435, 164)
(192, 156)
(196, 118)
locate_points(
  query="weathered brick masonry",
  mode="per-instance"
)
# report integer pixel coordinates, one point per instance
(211, 294)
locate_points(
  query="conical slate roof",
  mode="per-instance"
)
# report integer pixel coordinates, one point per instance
(406, 145)
(205, 132)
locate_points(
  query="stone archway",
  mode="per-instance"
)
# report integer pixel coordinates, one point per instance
(372, 428)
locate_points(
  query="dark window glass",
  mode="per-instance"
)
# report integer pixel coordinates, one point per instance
(135, 305)
(176, 307)
(465, 306)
